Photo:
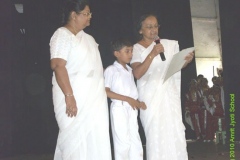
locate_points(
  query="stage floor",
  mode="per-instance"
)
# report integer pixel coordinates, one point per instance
(196, 151)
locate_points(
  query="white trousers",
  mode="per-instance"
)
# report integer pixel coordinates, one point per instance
(126, 139)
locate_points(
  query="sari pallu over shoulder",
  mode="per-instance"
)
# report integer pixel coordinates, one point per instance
(162, 120)
(86, 77)
(151, 85)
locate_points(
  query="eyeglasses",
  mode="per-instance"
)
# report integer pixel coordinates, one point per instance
(153, 27)
(87, 14)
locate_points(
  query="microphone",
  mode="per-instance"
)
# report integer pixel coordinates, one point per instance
(157, 40)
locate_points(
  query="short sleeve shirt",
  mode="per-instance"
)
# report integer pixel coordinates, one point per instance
(60, 43)
(120, 80)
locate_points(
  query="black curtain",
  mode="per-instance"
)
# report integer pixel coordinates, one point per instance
(113, 18)
(230, 37)
(27, 120)
(6, 41)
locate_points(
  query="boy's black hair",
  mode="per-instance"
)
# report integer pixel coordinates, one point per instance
(118, 44)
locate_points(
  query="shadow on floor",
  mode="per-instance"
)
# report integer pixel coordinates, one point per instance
(196, 151)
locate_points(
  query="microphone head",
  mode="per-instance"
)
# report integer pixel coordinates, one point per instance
(157, 39)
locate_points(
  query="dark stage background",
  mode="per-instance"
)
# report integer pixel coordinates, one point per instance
(230, 24)
(27, 121)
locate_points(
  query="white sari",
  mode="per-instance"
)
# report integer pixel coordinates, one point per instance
(86, 136)
(162, 120)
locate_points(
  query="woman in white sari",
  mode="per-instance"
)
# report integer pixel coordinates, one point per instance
(162, 120)
(79, 96)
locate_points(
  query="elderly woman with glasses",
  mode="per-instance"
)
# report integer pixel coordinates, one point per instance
(162, 120)
(79, 96)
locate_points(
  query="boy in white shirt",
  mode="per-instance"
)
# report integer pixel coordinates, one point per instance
(121, 89)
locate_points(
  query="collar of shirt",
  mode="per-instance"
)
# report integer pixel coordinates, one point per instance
(118, 65)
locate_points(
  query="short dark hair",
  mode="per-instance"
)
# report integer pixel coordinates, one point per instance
(72, 6)
(200, 76)
(214, 78)
(119, 43)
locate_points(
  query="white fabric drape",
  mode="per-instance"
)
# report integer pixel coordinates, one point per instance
(162, 120)
(86, 136)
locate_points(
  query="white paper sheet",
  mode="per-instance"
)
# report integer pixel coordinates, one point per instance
(177, 62)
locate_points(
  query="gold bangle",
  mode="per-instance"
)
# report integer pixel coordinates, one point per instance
(69, 95)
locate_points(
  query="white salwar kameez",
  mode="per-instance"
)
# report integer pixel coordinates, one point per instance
(86, 136)
(162, 120)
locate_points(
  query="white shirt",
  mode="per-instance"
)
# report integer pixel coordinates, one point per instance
(120, 81)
